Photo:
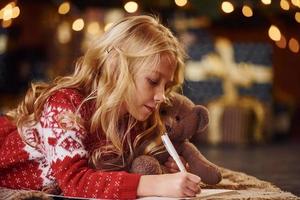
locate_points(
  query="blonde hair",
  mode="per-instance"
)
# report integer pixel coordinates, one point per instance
(106, 74)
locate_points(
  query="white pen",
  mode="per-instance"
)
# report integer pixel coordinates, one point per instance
(171, 150)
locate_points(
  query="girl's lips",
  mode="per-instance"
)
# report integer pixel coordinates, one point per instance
(151, 109)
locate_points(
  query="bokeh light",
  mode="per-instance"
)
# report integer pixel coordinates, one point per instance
(247, 11)
(131, 7)
(107, 26)
(64, 33)
(227, 7)
(78, 24)
(297, 17)
(294, 45)
(64, 8)
(284, 4)
(274, 33)
(93, 28)
(266, 2)
(181, 3)
(281, 43)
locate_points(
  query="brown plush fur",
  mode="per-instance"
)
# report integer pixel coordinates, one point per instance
(183, 119)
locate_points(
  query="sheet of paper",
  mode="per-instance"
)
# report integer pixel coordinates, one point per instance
(204, 193)
(214, 192)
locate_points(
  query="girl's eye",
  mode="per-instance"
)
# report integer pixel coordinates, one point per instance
(152, 82)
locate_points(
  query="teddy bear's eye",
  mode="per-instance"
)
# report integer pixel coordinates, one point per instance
(177, 118)
(163, 112)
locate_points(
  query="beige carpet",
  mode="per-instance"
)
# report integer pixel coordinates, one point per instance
(248, 188)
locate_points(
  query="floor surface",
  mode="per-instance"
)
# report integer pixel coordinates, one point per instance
(276, 163)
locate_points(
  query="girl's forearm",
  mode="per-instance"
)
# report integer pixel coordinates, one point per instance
(145, 187)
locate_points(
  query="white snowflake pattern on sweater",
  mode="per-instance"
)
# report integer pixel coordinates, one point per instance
(56, 153)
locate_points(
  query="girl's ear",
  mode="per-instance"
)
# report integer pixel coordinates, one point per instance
(203, 116)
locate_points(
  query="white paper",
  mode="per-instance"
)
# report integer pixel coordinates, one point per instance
(204, 193)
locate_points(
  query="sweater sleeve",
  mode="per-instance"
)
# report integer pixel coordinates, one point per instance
(67, 156)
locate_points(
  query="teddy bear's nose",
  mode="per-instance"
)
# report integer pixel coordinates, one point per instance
(168, 128)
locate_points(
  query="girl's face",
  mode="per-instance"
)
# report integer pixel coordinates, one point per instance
(150, 88)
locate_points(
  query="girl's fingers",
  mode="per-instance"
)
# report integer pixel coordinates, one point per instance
(193, 187)
(169, 164)
(172, 165)
(173, 170)
(194, 178)
(188, 192)
(187, 166)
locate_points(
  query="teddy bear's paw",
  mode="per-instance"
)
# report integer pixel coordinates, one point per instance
(211, 177)
(145, 165)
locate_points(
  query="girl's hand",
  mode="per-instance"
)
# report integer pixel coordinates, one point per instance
(172, 166)
(182, 184)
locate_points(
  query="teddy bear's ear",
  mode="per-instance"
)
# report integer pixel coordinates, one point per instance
(203, 116)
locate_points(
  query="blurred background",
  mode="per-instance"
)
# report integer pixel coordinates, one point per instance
(244, 65)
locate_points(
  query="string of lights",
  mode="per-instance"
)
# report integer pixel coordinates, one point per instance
(11, 11)
(274, 32)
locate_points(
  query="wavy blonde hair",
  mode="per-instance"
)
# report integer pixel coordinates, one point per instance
(105, 74)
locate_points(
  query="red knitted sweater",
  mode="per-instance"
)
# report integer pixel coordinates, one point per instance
(60, 155)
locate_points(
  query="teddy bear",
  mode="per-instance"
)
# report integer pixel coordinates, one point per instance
(182, 120)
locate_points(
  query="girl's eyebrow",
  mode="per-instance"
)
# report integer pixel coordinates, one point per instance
(160, 74)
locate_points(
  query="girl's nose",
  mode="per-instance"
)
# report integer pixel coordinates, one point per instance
(159, 97)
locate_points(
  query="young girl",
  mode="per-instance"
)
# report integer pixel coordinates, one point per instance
(100, 116)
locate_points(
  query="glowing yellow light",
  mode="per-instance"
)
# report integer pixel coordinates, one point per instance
(297, 17)
(3, 43)
(64, 33)
(180, 2)
(6, 23)
(296, 2)
(266, 2)
(294, 45)
(78, 24)
(64, 8)
(131, 6)
(107, 26)
(7, 12)
(281, 43)
(274, 33)
(93, 28)
(15, 12)
(247, 11)
(227, 7)
(13, 4)
(284, 4)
